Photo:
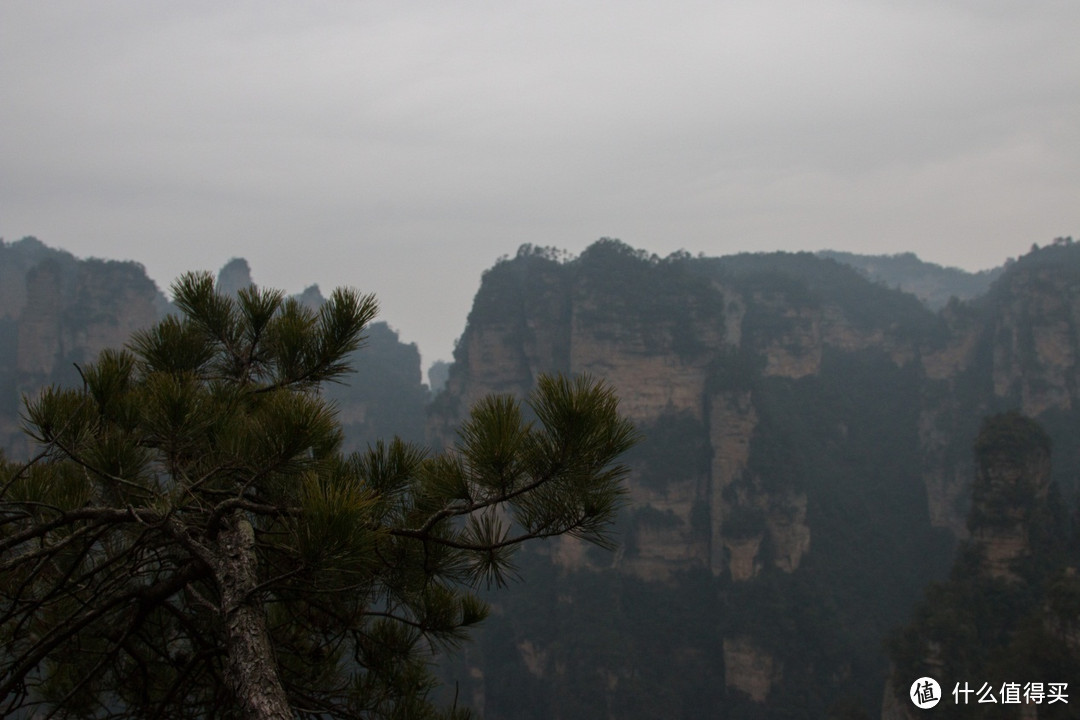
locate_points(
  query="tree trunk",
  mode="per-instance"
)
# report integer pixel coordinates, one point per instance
(251, 667)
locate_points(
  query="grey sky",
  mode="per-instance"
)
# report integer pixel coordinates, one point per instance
(401, 147)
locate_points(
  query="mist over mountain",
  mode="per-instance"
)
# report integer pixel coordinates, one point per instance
(806, 470)
(57, 312)
(1008, 615)
(804, 484)
(933, 284)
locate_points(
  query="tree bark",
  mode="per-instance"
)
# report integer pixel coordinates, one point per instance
(251, 668)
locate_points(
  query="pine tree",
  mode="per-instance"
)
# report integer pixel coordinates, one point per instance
(190, 542)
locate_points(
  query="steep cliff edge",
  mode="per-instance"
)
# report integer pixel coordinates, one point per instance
(806, 434)
(695, 343)
(57, 312)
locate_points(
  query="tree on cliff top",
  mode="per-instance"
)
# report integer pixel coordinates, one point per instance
(190, 542)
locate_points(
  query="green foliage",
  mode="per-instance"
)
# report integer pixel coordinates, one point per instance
(196, 481)
(1011, 453)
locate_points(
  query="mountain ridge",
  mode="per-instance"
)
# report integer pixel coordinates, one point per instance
(808, 435)
(806, 469)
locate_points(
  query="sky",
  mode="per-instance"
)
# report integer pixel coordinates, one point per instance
(403, 147)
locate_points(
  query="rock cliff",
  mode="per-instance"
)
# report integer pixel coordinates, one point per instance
(806, 433)
(1010, 610)
(678, 338)
(806, 470)
(57, 312)
(1012, 482)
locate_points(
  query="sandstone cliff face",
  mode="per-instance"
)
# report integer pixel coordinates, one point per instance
(767, 388)
(1035, 339)
(732, 421)
(57, 312)
(1017, 347)
(73, 311)
(662, 339)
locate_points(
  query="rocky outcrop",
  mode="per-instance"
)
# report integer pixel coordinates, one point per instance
(73, 311)
(234, 276)
(1010, 491)
(1010, 603)
(749, 669)
(58, 312)
(1036, 336)
(804, 428)
(674, 338)
(731, 427)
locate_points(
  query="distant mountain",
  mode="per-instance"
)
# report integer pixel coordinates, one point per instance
(437, 375)
(933, 284)
(233, 276)
(58, 311)
(384, 397)
(806, 470)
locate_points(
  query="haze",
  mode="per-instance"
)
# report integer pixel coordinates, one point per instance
(402, 147)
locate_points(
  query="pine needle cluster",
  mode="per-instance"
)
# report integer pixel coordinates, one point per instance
(190, 541)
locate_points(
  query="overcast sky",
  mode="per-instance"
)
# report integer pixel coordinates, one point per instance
(402, 147)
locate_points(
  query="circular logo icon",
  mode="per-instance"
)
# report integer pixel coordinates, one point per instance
(925, 693)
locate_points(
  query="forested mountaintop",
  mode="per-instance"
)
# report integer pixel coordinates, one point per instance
(933, 284)
(806, 469)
